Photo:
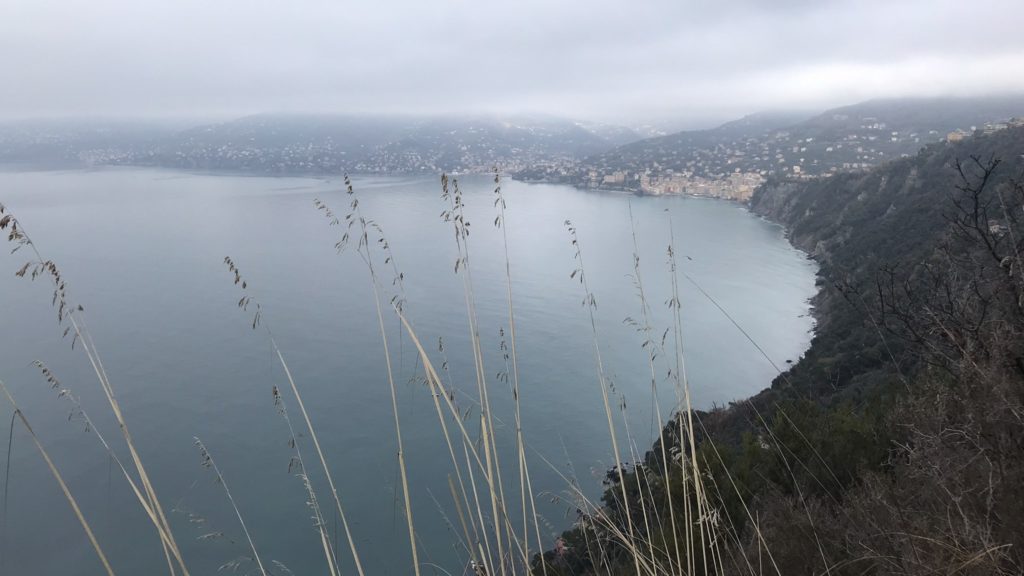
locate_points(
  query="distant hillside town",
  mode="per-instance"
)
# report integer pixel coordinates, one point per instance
(730, 161)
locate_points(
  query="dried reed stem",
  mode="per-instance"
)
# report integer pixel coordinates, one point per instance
(209, 462)
(60, 480)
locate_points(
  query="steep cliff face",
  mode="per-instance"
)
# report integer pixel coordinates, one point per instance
(837, 219)
(858, 224)
(895, 210)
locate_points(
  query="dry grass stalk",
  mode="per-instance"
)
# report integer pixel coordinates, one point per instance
(60, 480)
(591, 304)
(244, 303)
(525, 485)
(650, 343)
(314, 503)
(355, 218)
(473, 457)
(209, 462)
(74, 314)
(77, 410)
(455, 215)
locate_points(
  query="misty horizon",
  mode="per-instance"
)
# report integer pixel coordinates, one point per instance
(653, 127)
(660, 64)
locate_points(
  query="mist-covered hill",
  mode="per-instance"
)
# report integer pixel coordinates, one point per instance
(727, 161)
(316, 143)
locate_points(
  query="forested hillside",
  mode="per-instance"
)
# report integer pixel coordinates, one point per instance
(896, 444)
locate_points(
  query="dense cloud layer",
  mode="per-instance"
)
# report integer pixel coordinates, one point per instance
(617, 61)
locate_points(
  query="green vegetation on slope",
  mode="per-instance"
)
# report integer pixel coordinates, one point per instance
(896, 444)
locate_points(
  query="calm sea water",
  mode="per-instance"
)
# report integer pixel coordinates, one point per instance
(142, 250)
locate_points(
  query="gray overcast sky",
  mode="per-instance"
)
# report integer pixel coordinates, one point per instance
(628, 61)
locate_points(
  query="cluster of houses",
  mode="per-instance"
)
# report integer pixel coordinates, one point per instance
(959, 134)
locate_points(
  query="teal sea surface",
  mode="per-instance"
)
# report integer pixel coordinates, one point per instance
(142, 251)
